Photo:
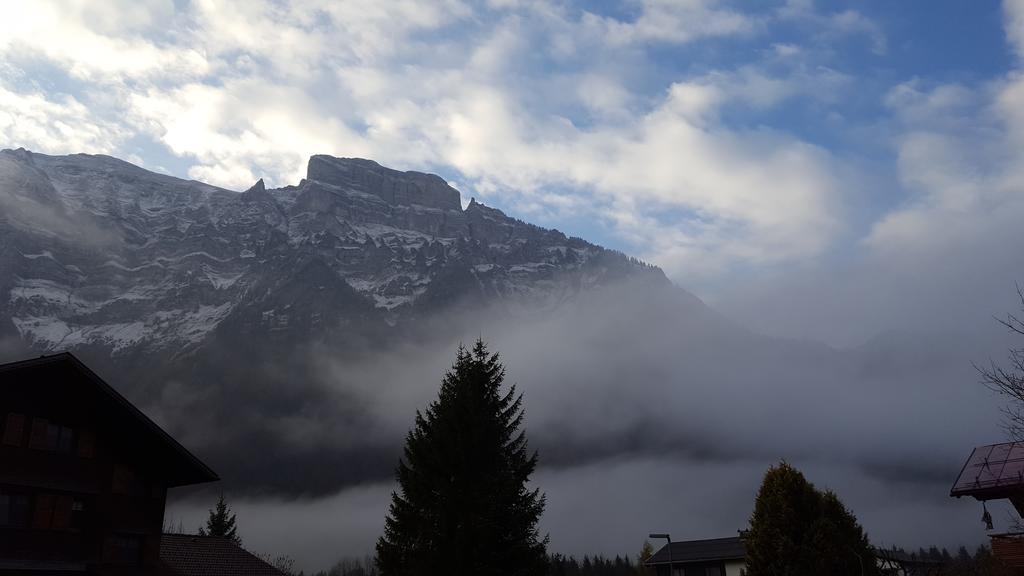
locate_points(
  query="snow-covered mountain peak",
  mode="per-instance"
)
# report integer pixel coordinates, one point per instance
(394, 187)
(156, 261)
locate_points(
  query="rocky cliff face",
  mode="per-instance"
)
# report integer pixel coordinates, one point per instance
(99, 253)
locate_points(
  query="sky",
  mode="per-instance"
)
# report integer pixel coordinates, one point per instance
(830, 171)
(795, 144)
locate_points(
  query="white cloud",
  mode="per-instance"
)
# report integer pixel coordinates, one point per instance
(672, 21)
(603, 95)
(751, 196)
(853, 22)
(786, 50)
(959, 161)
(940, 254)
(56, 125)
(93, 43)
(242, 130)
(836, 24)
(250, 89)
(1014, 25)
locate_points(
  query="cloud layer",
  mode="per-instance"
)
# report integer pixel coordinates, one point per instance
(748, 153)
(551, 110)
(649, 411)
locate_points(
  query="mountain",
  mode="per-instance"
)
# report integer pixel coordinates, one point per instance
(217, 310)
(289, 335)
(101, 253)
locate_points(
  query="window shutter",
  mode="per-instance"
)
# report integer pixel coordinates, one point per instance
(62, 513)
(20, 508)
(86, 443)
(15, 429)
(65, 441)
(44, 511)
(40, 427)
(122, 482)
(52, 437)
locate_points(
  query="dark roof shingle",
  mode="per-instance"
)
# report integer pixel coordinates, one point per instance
(191, 555)
(701, 551)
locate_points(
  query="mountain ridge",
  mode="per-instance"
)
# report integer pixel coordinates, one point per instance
(193, 250)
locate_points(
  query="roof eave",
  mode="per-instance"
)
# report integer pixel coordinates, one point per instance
(200, 472)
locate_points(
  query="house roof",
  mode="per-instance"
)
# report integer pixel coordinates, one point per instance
(191, 555)
(188, 469)
(992, 472)
(701, 551)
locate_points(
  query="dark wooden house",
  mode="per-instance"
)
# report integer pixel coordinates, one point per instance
(83, 473)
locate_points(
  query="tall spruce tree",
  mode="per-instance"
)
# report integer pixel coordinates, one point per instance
(463, 507)
(797, 530)
(221, 522)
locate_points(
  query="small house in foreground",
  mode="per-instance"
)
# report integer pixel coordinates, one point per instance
(83, 473)
(715, 557)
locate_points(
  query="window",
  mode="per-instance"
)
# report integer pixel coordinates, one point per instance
(156, 489)
(62, 513)
(86, 444)
(122, 481)
(78, 512)
(44, 512)
(40, 428)
(14, 509)
(123, 549)
(704, 570)
(14, 431)
(65, 440)
(51, 437)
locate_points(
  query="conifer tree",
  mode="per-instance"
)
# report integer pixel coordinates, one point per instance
(221, 522)
(641, 560)
(463, 507)
(797, 530)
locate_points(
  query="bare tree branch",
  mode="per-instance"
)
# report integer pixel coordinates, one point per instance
(1009, 382)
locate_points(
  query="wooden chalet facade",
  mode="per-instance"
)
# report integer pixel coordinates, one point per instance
(83, 474)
